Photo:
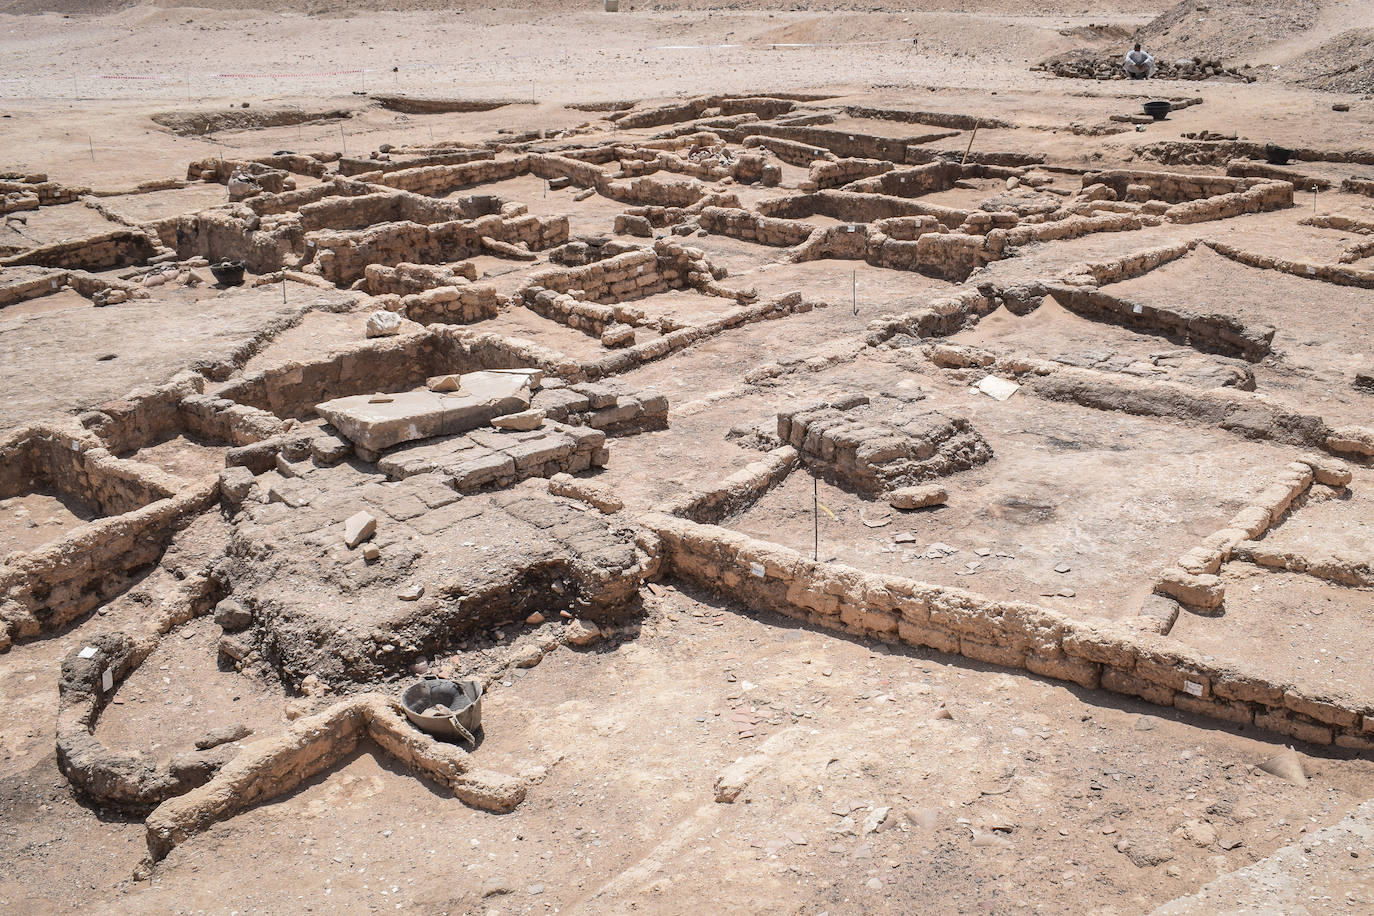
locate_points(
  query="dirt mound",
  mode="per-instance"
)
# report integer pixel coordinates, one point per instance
(196, 123)
(1234, 31)
(1342, 64)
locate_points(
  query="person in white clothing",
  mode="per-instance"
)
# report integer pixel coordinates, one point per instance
(1139, 65)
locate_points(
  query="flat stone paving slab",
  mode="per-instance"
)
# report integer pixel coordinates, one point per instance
(376, 422)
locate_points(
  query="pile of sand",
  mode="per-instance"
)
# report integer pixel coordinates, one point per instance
(1341, 64)
(1237, 32)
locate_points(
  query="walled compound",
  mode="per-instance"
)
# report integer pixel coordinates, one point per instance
(494, 394)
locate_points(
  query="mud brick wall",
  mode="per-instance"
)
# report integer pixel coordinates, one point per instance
(957, 122)
(906, 228)
(384, 364)
(462, 303)
(790, 151)
(606, 407)
(852, 207)
(472, 350)
(869, 450)
(1329, 273)
(632, 275)
(837, 172)
(1267, 195)
(143, 416)
(352, 166)
(45, 193)
(223, 420)
(665, 114)
(215, 169)
(42, 590)
(749, 226)
(1072, 227)
(1012, 634)
(14, 201)
(78, 467)
(912, 182)
(947, 255)
(584, 316)
(1171, 187)
(438, 180)
(298, 163)
(393, 206)
(583, 173)
(681, 192)
(1127, 266)
(485, 459)
(1249, 168)
(1363, 186)
(843, 143)
(226, 234)
(1211, 333)
(629, 358)
(406, 279)
(119, 248)
(34, 287)
(290, 201)
(343, 257)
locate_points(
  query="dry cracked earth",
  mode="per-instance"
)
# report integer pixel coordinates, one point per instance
(1028, 567)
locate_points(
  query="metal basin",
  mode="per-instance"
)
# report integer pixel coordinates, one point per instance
(228, 273)
(1158, 110)
(462, 698)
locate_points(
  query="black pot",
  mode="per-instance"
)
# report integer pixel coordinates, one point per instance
(1277, 155)
(228, 273)
(1158, 110)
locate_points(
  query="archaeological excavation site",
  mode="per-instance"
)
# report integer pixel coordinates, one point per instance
(826, 465)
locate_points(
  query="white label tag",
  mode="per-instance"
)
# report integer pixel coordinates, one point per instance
(1192, 689)
(756, 569)
(1138, 309)
(1311, 271)
(107, 681)
(88, 652)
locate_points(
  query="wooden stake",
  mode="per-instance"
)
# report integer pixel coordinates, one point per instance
(970, 144)
(343, 140)
(91, 144)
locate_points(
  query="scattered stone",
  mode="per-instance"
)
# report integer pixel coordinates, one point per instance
(582, 632)
(382, 323)
(875, 820)
(918, 497)
(222, 735)
(535, 619)
(999, 389)
(444, 383)
(232, 615)
(371, 553)
(412, 593)
(1062, 568)
(524, 421)
(358, 528)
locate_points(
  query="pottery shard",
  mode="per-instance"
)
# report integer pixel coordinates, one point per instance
(358, 528)
(523, 421)
(382, 323)
(918, 497)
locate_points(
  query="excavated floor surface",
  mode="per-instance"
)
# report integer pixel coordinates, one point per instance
(624, 692)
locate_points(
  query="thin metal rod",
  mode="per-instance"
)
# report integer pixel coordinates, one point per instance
(816, 519)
